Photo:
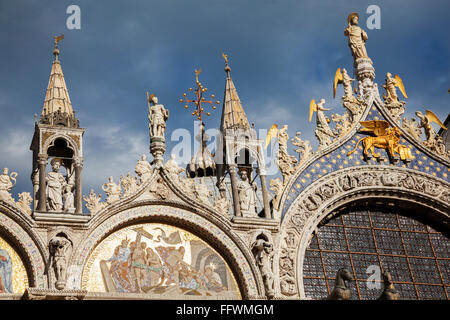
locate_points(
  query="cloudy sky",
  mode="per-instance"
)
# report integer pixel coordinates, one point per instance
(282, 53)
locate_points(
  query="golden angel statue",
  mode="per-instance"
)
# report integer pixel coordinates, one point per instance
(344, 78)
(425, 123)
(391, 91)
(323, 131)
(357, 37)
(286, 163)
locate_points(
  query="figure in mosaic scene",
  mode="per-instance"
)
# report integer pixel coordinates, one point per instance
(213, 280)
(5, 272)
(120, 268)
(55, 184)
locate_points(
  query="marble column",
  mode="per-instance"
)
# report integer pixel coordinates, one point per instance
(78, 187)
(234, 182)
(42, 160)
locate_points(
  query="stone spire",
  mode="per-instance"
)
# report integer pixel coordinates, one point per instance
(57, 108)
(233, 115)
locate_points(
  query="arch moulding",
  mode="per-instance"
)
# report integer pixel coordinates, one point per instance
(331, 192)
(224, 244)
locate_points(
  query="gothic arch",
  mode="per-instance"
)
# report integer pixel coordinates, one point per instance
(400, 186)
(71, 143)
(229, 247)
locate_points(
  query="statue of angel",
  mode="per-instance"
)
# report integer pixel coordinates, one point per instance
(391, 91)
(344, 78)
(323, 131)
(425, 123)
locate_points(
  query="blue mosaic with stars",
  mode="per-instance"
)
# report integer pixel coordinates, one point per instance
(338, 159)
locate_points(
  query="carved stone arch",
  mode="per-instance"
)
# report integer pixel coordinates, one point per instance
(229, 246)
(17, 230)
(71, 143)
(399, 186)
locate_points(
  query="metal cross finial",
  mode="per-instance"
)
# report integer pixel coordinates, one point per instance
(198, 99)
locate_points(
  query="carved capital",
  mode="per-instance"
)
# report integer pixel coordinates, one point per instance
(42, 159)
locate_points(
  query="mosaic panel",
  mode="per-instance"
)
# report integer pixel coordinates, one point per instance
(13, 276)
(156, 258)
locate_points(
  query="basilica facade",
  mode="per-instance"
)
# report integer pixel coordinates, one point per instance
(365, 215)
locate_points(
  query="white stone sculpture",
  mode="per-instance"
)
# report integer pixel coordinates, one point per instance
(7, 181)
(129, 184)
(263, 251)
(112, 191)
(93, 203)
(158, 116)
(25, 200)
(247, 195)
(54, 189)
(143, 169)
(68, 199)
(58, 251)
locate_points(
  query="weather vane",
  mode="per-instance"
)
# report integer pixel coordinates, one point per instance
(199, 100)
(56, 50)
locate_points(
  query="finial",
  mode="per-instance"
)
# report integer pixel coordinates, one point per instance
(56, 50)
(198, 99)
(227, 67)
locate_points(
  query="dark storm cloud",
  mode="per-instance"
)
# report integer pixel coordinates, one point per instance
(282, 54)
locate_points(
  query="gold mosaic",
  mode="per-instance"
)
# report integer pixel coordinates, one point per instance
(13, 276)
(156, 258)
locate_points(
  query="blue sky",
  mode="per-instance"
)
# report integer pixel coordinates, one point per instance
(281, 53)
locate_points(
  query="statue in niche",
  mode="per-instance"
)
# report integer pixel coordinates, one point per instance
(58, 250)
(143, 169)
(157, 115)
(357, 37)
(68, 199)
(112, 190)
(263, 251)
(247, 195)
(7, 181)
(55, 184)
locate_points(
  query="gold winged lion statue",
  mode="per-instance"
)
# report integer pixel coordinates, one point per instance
(384, 138)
